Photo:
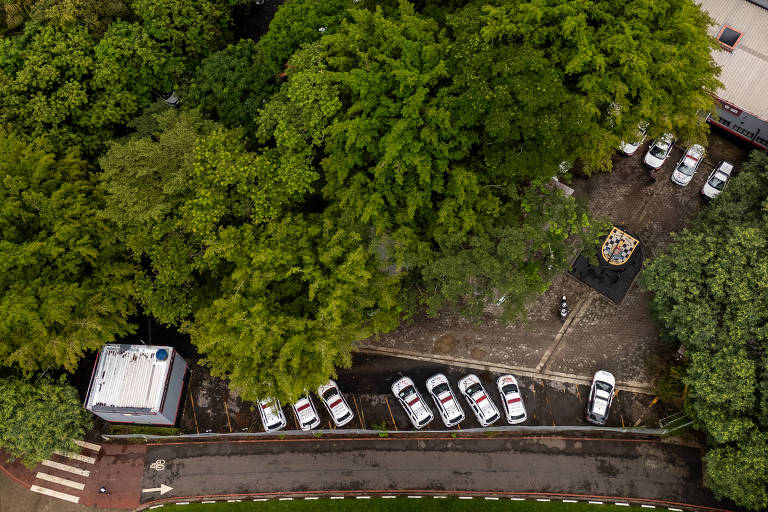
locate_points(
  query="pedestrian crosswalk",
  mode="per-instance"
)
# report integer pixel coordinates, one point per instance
(62, 479)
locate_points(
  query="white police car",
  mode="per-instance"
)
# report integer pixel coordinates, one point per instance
(445, 401)
(687, 166)
(335, 402)
(659, 151)
(511, 399)
(600, 397)
(717, 180)
(271, 413)
(478, 400)
(306, 413)
(409, 397)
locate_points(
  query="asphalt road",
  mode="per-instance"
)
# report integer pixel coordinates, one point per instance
(627, 468)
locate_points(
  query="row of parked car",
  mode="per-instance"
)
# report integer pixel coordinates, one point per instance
(448, 407)
(659, 151)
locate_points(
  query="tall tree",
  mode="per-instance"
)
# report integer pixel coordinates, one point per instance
(38, 418)
(64, 288)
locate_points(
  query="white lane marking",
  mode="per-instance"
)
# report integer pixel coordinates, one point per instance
(363, 497)
(465, 497)
(385, 497)
(61, 481)
(596, 502)
(648, 506)
(233, 501)
(542, 499)
(76, 456)
(88, 446)
(570, 501)
(675, 509)
(182, 503)
(517, 499)
(491, 498)
(340, 497)
(414, 496)
(622, 504)
(260, 499)
(55, 494)
(65, 467)
(156, 506)
(209, 501)
(285, 499)
(438, 497)
(311, 498)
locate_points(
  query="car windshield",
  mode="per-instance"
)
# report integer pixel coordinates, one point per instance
(659, 150)
(440, 388)
(509, 388)
(406, 392)
(603, 386)
(685, 169)
(717, 182)
(474, 388)
(329, 394)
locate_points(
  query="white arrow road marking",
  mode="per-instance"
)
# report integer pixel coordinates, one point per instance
(163, 489)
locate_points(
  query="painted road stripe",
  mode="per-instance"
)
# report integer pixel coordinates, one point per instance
(286, 499)
(339, 497)
(233, 501)
(260, 499)
(182, 503)
(622, 504)
(465, 497)
(64, 467)
(363, 497)
(438, 497)
(209, 501)
(156, 506)
(311, 498)
(389, 496)
(596, 502)
(517, 499)
(76, 456)
(61, 481)
(570, 501)
(414, 496)
(55, 494)
(491, 498)
(675, 509)
(648, 506)
(542, 499)
(88, 446)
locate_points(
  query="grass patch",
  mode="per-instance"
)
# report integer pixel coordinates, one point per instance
(425, 504)
(143, 429)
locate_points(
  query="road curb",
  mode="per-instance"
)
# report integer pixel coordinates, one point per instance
(632, 387)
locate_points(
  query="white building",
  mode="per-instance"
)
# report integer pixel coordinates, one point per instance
(137, 384)
(741, 26)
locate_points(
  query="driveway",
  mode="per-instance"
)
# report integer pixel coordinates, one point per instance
(633, 469)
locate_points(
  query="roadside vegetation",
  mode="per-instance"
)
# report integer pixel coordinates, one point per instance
(709, 295)
(356, 165)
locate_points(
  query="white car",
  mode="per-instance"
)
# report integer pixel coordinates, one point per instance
(629, 148)
(409, 397)
(445, 401)
(717, 180)
(271, 413)
(335, 402)
(687, 166)
(659, 151)
(478, 400)
(306, 413)
(511, 399)
(600, 397)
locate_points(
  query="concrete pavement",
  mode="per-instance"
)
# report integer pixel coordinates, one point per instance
(635, 469)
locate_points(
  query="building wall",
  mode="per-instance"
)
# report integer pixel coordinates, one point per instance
(742, 124)
(173, 392)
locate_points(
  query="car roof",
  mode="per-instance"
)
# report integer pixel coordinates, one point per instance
(725, 167)
(605, 376)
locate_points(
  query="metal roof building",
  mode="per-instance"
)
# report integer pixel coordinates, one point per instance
(137, 384)
(741, 26)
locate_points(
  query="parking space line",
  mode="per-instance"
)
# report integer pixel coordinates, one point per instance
(192, 400)
(226, 411)
(362, 420)
(390, 412)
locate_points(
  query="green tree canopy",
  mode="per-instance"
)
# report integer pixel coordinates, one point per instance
(63, 286)
(709, 291)
(38, 418)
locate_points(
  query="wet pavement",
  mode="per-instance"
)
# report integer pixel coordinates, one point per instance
(636, 470)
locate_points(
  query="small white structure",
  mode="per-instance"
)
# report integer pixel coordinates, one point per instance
(137, 384)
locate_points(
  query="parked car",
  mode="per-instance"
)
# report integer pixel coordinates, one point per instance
(335, 402)
(409, 397)
(717, 180)
(306, 413)
(659, 151)
(600, 397)
(271, 413)
(511, 399)
(629, 148)
(478, 400)
(447, 406)
(687, 166)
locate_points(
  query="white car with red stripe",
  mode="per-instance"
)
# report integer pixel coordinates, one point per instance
(335, 402)
(479, 401)
(271, 413)
(511, 399)
(409, 397)
(445, 401)
(687, 166)
(306, 413)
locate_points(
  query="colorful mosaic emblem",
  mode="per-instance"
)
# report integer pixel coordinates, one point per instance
(618, 247)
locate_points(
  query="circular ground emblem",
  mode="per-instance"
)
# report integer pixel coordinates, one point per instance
(618, 247)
